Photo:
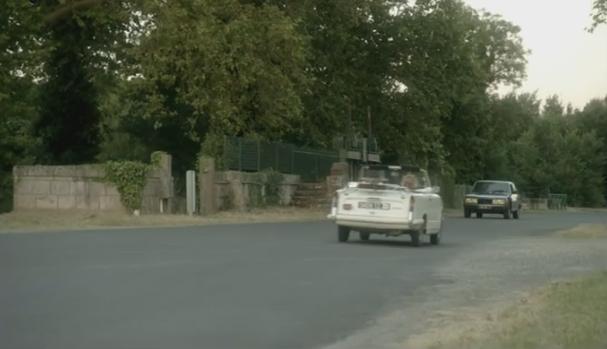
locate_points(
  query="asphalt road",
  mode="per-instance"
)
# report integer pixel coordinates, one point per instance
(288, 285)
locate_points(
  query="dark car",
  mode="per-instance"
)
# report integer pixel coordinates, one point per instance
(499, 197)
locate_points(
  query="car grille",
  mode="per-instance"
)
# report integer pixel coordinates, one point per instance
(485, 201)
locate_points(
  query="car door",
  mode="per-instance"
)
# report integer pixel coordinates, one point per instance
(429, 204)
(435, 212)
(514, 198)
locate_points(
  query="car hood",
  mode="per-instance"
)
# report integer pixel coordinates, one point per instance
(487, 196)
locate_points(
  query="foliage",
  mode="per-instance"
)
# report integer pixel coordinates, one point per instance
(213, 146)
(90, 79)
(156, 158)
(599, 13)
(82, 46)
(18, 94)
(129, 178)
(223, 68)
(553, 155)
(273, 187)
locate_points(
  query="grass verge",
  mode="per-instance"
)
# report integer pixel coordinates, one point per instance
(564, 315)
(41, 220)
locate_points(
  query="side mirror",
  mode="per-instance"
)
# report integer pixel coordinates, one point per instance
(436, 190)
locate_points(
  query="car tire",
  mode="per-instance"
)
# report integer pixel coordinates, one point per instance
(507, 213)
(515, 214)
(364, 236)
(343, 233)
(416, 235)
(415, 238)
(467, 213)
(479, 215)
(435, 238)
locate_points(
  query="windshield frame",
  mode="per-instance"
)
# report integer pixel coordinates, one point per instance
(394, 175)
(499, 188)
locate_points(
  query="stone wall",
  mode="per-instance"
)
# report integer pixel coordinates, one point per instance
(535, 203)
(242, 190)
(83, 187)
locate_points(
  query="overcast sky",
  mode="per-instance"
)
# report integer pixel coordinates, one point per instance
(565, 60)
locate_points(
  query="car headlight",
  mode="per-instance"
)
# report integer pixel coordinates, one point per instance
(471, 200)
(499, 201)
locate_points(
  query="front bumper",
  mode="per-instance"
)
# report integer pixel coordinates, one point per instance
(485, 208)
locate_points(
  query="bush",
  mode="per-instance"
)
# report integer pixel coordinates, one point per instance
(129, 178)
(273, 187)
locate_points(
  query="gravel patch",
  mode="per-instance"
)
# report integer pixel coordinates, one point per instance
(476, 285)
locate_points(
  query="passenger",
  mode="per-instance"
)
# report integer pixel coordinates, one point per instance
(409, 181)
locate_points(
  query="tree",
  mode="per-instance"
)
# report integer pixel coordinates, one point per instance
(450, 57)
(599, 13)
(82, 40)
(553, 108)
(594, 118)
(18, 92)
(509, 118)
(556, 155)
(208, 68)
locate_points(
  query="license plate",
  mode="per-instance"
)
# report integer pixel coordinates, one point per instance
(484, 207)
(373, 205)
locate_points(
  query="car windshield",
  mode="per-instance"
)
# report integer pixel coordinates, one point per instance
(491, 188)
(412, 179)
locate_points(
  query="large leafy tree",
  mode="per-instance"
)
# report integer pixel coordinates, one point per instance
(594, 118)
(18, 93)
(450, 58)
(509, 118)
(208, 68)
(557, 155)
(348, 57)
(83, 42)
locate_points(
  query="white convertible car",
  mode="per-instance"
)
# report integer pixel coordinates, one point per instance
(389, 200)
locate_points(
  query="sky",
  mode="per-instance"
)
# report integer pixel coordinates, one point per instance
(565, 60)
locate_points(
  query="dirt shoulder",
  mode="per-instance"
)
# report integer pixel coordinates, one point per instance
(40, 220)
(564, 314)
(497, 286)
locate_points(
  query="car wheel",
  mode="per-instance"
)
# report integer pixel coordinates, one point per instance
(416, 235)
(479, 215)
(467, 213)
(435, 238)
(515, 214)
(343, 233)
(364, 236)
(507, 213)
(415, 238)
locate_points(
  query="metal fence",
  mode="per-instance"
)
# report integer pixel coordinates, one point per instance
(240, 154)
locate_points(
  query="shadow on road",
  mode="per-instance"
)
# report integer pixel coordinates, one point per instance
(391, 243)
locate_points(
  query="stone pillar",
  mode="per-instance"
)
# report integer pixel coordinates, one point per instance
(206, 181)
(164, 162)
(338, 177)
